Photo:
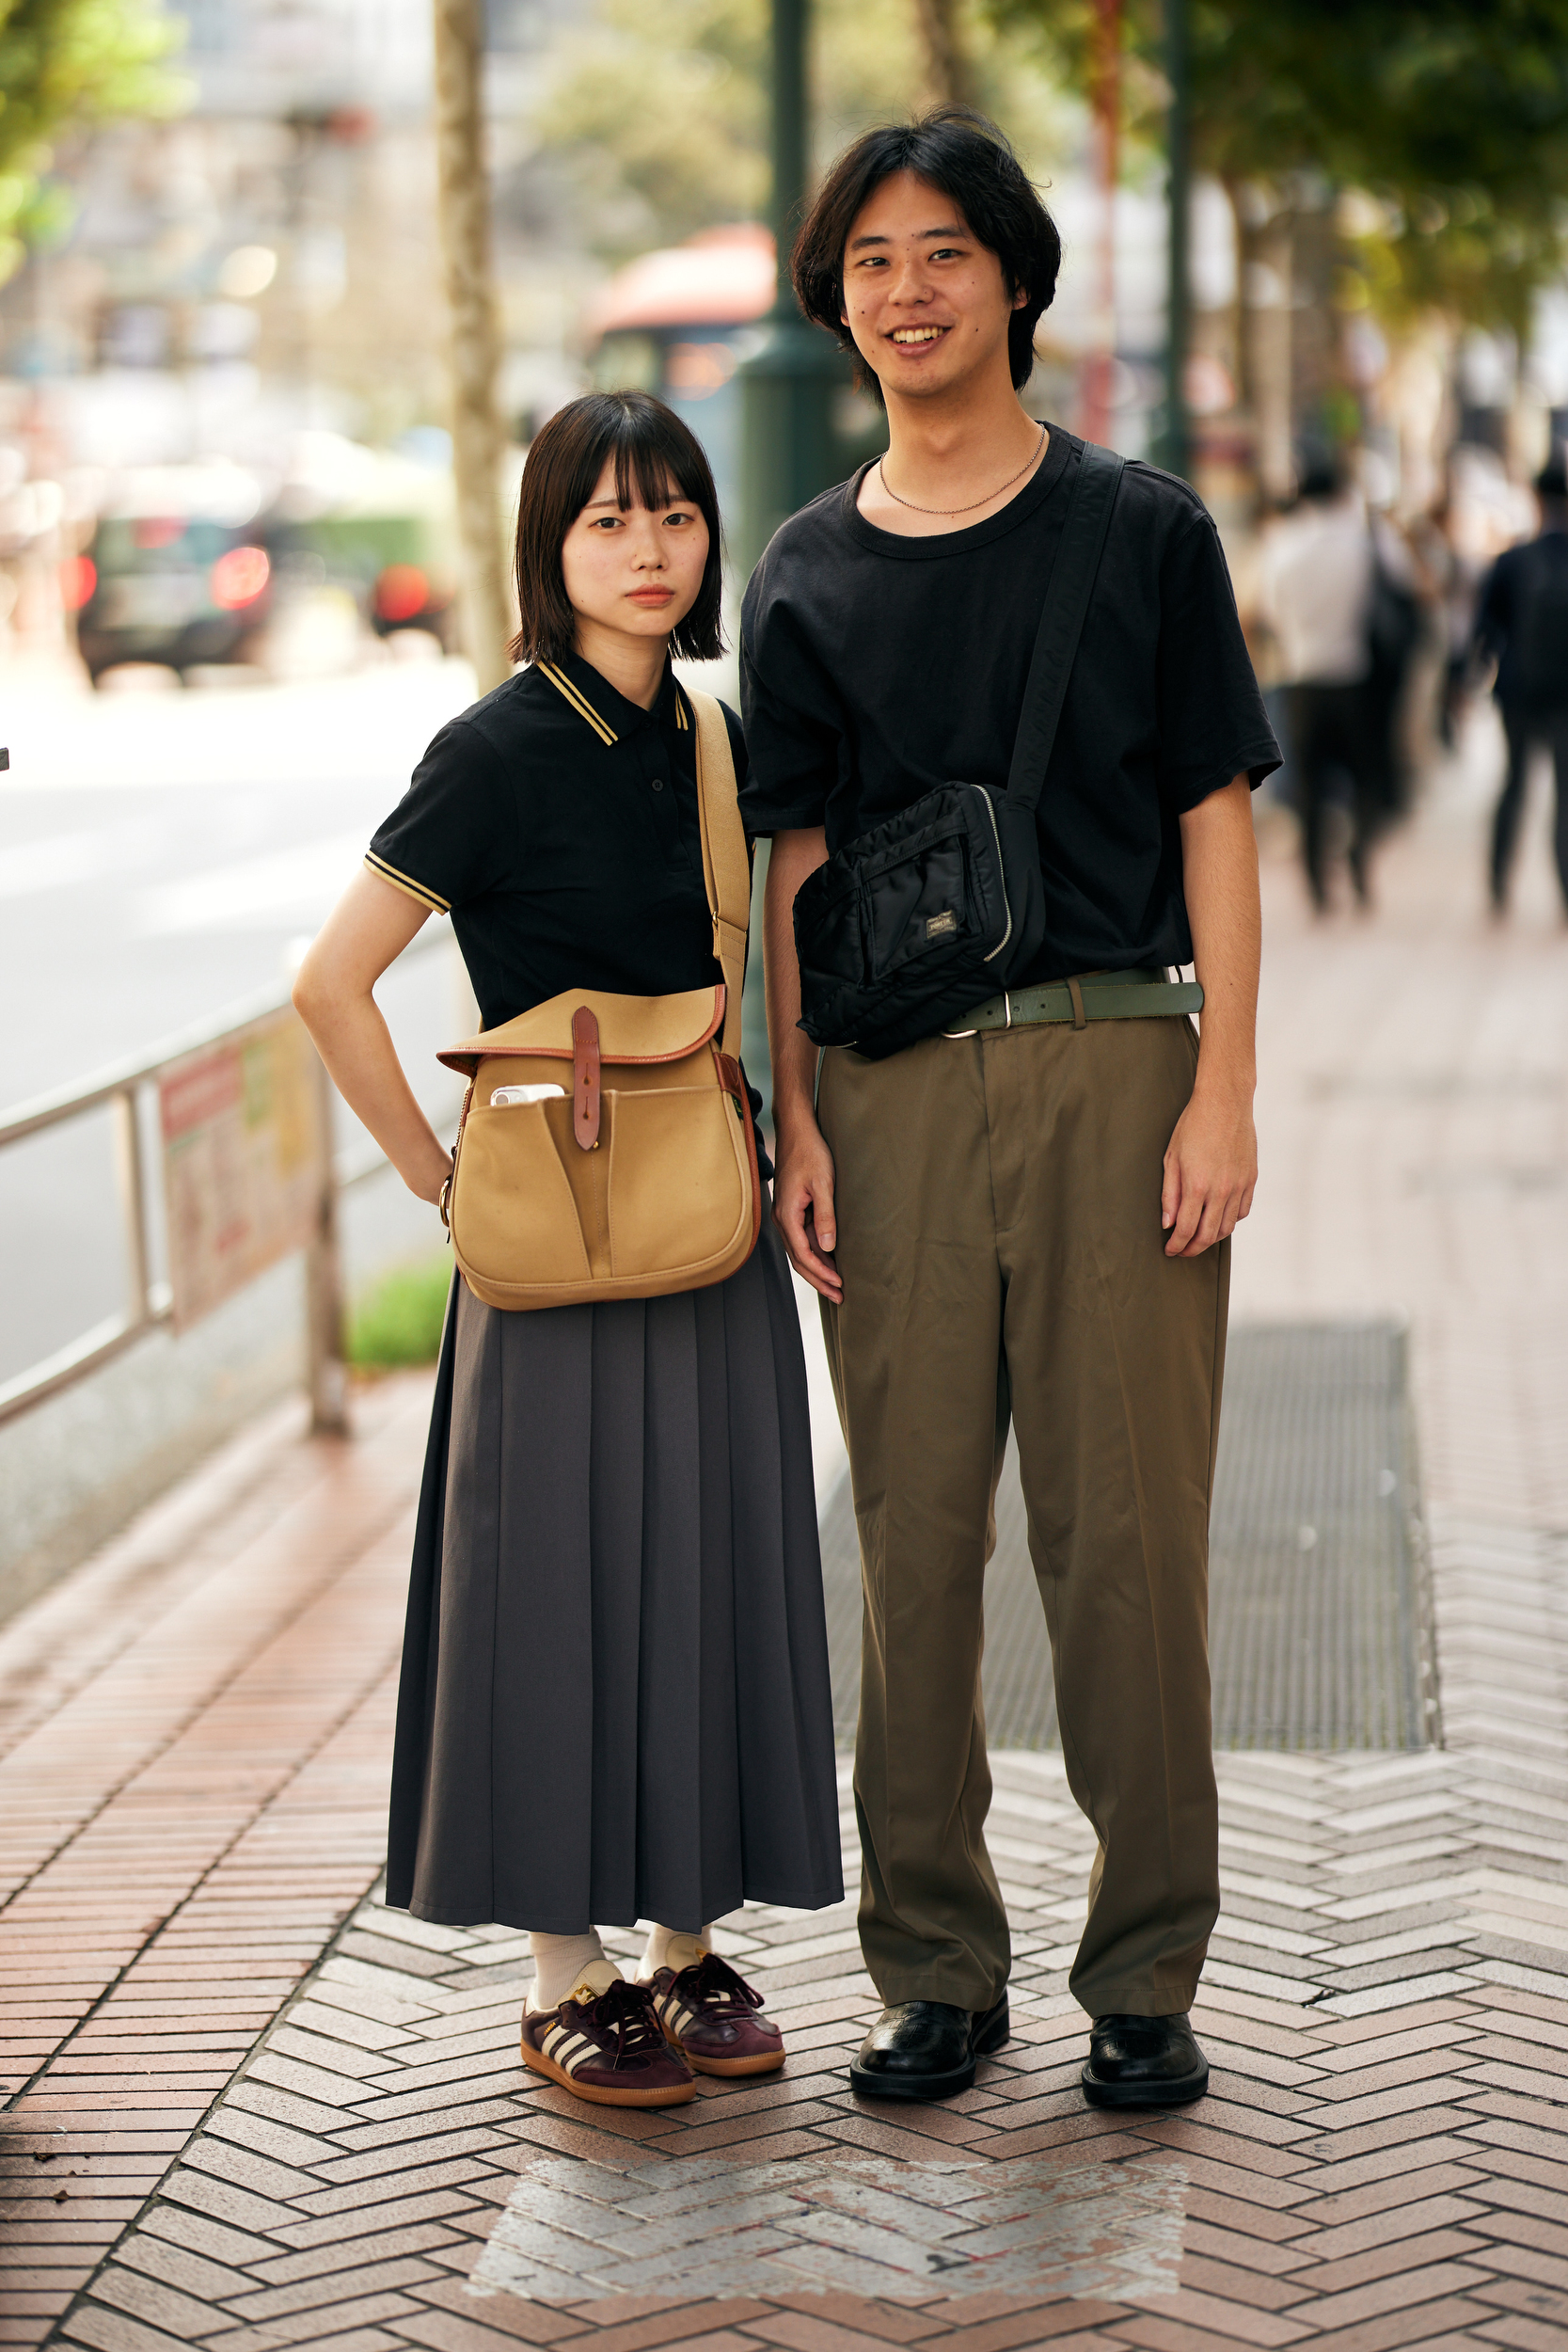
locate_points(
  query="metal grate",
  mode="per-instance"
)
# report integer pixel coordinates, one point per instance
(1319, 1629)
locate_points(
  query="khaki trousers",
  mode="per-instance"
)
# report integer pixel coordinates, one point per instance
(998, 1202)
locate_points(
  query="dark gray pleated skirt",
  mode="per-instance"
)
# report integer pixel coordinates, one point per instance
(616, 1702)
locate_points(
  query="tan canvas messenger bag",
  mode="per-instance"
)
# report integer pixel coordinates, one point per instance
(636, 1174)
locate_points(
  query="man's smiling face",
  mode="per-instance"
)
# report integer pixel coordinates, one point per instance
(925, 300)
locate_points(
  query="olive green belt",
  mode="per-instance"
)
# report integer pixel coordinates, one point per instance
(1137, 995)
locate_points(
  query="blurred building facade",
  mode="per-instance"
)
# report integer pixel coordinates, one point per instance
(265, 268)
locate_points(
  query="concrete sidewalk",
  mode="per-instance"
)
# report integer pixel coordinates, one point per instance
(249, 2108)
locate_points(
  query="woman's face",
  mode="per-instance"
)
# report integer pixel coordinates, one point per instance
(636, 569)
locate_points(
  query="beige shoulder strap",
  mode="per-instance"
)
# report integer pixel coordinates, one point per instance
(726, 867)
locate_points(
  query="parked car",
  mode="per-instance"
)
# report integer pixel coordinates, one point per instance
(197, 565)
(176, 589)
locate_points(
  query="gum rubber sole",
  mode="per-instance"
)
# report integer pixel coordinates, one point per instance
(993, 2036)
(674, 2095)
(769, 2063)
(1178, 2092)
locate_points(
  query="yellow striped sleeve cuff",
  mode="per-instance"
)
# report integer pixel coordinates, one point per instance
(407, 883)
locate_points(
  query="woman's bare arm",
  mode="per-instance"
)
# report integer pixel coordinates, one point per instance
(369, 928)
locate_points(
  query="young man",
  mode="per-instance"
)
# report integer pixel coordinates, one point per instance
(1028, 1219)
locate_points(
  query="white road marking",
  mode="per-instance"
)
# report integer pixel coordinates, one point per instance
(259, 892)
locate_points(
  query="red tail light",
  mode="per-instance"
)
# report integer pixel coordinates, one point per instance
(239, 576)
(78, 579)
(401, 590)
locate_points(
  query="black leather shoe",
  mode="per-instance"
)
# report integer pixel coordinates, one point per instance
(1143, 2063)
(926, 2049)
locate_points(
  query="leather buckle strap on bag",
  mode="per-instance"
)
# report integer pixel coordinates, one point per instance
(585, 1078)
(931, 912)
(644, 1180)
(1141, 994)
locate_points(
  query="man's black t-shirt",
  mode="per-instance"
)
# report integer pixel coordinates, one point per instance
(875, 668)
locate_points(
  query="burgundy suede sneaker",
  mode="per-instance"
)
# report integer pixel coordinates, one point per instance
(713, 2017)
(605, 2043)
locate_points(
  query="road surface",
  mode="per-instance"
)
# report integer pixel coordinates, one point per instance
(160, 854)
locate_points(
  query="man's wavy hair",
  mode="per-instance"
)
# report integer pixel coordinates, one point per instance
(656, 456)
(968, 158)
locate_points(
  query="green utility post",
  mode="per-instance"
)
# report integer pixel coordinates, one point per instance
(788, 385)
(1175, 440)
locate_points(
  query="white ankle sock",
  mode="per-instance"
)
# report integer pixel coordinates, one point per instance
(673, 1947)
(561, 1963)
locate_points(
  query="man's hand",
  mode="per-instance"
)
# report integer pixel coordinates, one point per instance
(1212, 1160)
(1210, 1170)
(803, 1181)
(804, 1208)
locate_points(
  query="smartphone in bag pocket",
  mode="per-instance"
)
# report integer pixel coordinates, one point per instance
(502, 1098)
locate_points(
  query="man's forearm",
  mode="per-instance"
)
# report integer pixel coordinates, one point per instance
(1219, 858)
(1212, 1160)
(793, 856)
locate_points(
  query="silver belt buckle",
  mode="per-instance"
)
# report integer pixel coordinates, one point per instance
(1007, 1005)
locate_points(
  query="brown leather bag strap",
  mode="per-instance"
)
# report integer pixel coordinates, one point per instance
(726, 866)
(585, 1077)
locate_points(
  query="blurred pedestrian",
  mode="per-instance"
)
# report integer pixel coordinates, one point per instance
(1522, 625)
(1334, 588)
(616, 1702)
(1451, 578)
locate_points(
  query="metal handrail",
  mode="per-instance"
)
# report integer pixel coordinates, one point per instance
(69, 1102)
(149, 1305)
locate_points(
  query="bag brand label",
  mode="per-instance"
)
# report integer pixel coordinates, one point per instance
(941, 926)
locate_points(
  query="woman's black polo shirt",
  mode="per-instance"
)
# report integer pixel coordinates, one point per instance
(557, 824)
(875, 668)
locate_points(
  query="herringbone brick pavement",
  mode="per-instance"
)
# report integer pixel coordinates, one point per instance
(1380, 2161)
(249, 2108)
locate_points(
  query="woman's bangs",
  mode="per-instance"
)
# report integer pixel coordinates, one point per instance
(648, 464)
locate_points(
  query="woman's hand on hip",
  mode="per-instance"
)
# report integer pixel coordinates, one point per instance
(428, 1181)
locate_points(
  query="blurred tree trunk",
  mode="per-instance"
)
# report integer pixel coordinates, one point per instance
(948, 79)
(1264, 275)
(1272, 364)
(474, 353)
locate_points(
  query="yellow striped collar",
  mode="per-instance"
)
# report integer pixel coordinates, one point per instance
(585, 709)
(579, 702)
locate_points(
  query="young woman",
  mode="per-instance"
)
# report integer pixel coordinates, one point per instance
(615, 1699)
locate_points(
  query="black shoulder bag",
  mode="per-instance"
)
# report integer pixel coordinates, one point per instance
(935, 910)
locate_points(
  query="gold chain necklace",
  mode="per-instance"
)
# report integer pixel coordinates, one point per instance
(1029, 461)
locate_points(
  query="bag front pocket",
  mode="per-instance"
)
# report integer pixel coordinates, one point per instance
(918, 897)
(679, 1181)
(515, 1217)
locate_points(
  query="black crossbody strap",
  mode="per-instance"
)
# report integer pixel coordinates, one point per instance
(1067, 602)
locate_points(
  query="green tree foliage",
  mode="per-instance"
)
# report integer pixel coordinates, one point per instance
(64, 64)
(658, 109)
(1452, 114)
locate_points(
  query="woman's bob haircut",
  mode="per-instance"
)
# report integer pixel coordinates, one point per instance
(958, 152)
(657, 459)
